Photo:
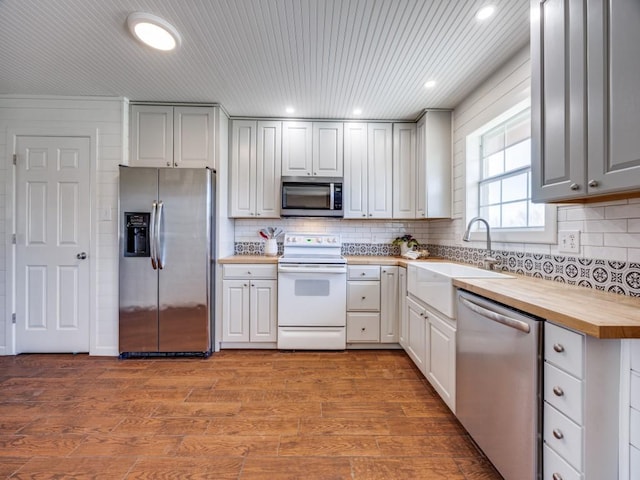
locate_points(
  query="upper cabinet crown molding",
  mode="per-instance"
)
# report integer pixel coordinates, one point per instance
(172, 136)
(584, 99)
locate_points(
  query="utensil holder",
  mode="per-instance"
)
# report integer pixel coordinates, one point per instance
(271, 247)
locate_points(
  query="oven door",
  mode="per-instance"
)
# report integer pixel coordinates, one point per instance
(312, 295)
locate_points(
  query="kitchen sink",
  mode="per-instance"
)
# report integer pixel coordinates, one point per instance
(432, 283)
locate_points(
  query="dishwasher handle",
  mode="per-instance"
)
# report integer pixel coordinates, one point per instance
(495, 316)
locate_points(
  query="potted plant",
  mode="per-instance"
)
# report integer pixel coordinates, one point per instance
(406, 243)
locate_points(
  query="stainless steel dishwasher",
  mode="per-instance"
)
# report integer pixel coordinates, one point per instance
(499, 384)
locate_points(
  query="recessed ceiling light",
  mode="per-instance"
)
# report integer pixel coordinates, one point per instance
(290, 110)
(153, 31)
(485, 12)
(430, 84)
(357, 111)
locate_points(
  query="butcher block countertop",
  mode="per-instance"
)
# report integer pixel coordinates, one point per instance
(594, 312)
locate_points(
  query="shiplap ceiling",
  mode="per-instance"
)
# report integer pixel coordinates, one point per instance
(254, 57)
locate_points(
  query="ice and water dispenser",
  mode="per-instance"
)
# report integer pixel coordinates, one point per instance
(136, 225)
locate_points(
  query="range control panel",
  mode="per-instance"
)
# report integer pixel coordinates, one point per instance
(311, 240)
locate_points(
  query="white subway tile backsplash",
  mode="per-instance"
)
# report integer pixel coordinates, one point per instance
(605, 253)
(633, 225)
(623, 211)
(604, 226)
(621, 240)
(592, 239)
(585, 213)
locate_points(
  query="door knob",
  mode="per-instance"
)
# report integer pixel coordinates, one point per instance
(81, 255)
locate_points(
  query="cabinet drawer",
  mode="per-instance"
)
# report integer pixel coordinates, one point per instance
(634, 427)
(363, 272)
(247, 270)
(569, 446)
(564, 349)
(563, 392)
(554, 464)
(363, 327)
(363, 296)
(635, 390)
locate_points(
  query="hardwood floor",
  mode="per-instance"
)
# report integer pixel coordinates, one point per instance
(269, 415)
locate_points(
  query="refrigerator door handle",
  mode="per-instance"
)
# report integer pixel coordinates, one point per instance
(157, 237)
(152, 242)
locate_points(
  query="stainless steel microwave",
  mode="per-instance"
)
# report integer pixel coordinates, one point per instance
(311, 197)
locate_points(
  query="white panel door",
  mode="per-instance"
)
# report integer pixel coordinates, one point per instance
(264, 313)
(354, 193)
(380, 174)
(235, 310)
(417, 335)
(151, 136)
(404, 170)
(327, 149)
(268, 168)
(296, 148)
(193, 137)
(52, 248)
(242, 166)
(389, 323)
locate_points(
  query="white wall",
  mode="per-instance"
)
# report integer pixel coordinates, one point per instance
(609, 231)
(106, 118)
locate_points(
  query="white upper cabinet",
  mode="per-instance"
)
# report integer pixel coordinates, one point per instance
(167, 136)
(255, 162)
(368, 170)
(312, 149)
(584, 99)
(404, 170)
(433, 165)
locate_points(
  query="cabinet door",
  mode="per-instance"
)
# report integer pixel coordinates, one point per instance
(355, 188)
(242, 189)
(441, 371)
(389, 305)
(193, 137)
(268, 167)
(263, 311)
(296, 148)
(327, 149)
(433, 165)
(151, 136)
(558, 93)
(380, 170)
(404, 173)
(402, 305)
(417, 334)
(614, 97)
(235, 310)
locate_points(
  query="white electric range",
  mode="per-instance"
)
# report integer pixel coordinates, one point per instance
(312, 293)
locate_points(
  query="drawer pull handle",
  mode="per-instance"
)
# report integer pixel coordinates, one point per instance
(363, 329)
(364, 298)
(363, 274)
(558, 347)
(558, 434)
(558, 391)
(556, 476)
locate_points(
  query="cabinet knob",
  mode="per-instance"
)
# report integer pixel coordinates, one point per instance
(574, 186)
(249, 273)
(257, 214)
(558, 392)
(315, 173)
(593, 183)
(363, 274)
(422, 314)
(558, 434)
(308, 173)
(558, 347)
(245, 285)
(175, 164)
(363, 329)
(364, 298)
(556, 476)
(253, 284)
(371, 214)
(168, 164)
(364, 214)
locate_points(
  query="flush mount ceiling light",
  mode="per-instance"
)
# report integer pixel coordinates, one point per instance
(357, 111)
(430, 84)
(153, 31)
(485, 12)
(290, 110)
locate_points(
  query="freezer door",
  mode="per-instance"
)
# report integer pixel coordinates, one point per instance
(138, 330)
(184, 262)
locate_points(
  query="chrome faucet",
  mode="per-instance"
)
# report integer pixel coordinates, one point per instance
(488, 261)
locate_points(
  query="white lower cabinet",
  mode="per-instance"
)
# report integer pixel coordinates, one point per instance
(363, 327)
(389, 311)
(416, 334)
(580, 413)
(249, 303)
(402, 307)
(441, 364)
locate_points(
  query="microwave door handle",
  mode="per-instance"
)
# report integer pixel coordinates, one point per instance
(152, 236)
(331, 195)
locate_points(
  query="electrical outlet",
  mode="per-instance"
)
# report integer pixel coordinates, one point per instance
(569, 241)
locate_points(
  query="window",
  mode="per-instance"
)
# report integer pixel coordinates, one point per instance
(499, 180)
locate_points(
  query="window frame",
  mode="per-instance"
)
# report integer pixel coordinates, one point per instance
(473, 165)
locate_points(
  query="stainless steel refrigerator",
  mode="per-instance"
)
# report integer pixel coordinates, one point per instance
(166, 253)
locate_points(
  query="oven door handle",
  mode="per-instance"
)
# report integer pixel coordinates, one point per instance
(323, 269)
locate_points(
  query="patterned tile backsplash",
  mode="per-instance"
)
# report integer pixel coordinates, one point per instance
(607, 275)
